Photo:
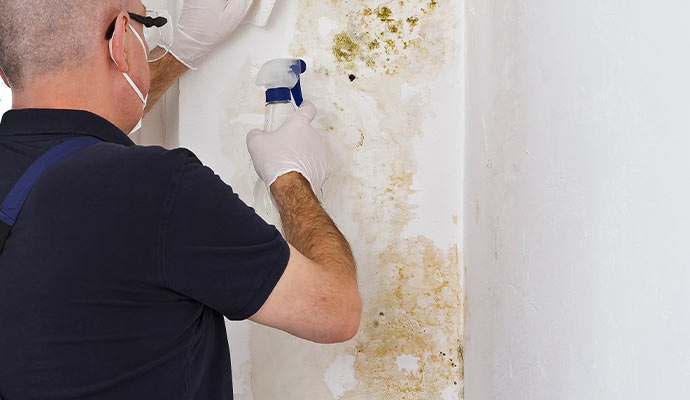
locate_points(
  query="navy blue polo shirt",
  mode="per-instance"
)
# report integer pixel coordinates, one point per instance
(120, 267)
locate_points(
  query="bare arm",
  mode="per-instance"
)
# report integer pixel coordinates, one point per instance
(164, 73)
(317, 298)
(309, 228)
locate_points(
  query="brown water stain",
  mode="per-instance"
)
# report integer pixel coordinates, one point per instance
(417, 312)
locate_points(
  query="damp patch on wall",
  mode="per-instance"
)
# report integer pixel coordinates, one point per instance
(410, 342)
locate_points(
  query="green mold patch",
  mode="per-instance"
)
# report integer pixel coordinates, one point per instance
(390, 44)
(395, 26)
(344, 48)
(385, 37)
(384, 13)
(413, 20)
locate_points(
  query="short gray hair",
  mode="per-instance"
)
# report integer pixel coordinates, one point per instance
(46, 36)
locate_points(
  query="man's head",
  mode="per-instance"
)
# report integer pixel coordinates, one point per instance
(53, 54)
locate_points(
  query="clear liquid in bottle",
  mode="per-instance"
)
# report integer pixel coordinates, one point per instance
(276, 114)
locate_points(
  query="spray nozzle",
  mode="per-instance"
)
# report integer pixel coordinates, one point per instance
(281, 78)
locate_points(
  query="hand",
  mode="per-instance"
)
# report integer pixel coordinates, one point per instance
(294, 147)
(204, 24)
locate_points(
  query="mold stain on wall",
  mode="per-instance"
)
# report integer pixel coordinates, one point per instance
(416, 313)
(372, 65)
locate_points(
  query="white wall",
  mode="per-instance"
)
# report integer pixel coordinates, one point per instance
(577, 199)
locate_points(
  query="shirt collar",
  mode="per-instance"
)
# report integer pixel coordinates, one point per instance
(32, 121)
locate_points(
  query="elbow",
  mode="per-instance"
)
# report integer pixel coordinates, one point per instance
(348, 321)
(343, 322)
(353, 320)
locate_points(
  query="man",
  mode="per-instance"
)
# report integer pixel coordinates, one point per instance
(117, 271)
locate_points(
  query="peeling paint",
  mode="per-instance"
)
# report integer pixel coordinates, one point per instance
(340, 375)
(408, 363)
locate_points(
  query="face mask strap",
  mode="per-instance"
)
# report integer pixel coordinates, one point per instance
(136, 89)
(143, 46)
(136, 128)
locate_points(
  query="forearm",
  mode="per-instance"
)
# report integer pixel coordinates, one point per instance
(164, 73)
(308, 228)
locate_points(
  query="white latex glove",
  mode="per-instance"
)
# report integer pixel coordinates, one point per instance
(204, 24)
(294, 147)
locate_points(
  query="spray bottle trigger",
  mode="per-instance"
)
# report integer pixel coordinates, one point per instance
(297, 89)
(297, 94)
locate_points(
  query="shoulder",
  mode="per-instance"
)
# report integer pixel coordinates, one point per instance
(135, 172)
(139, 162)
(152, 156)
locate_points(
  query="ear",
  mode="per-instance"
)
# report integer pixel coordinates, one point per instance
(119, 42)
(4, 78)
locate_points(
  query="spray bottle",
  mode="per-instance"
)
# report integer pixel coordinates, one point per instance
(281, 79)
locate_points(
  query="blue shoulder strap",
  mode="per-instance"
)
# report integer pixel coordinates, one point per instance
(12, 205)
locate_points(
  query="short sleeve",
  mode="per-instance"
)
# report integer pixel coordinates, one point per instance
(216, 249)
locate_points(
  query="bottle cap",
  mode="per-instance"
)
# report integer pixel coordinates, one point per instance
(281, 78)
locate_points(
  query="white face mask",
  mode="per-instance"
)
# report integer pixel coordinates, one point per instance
(129, 80)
